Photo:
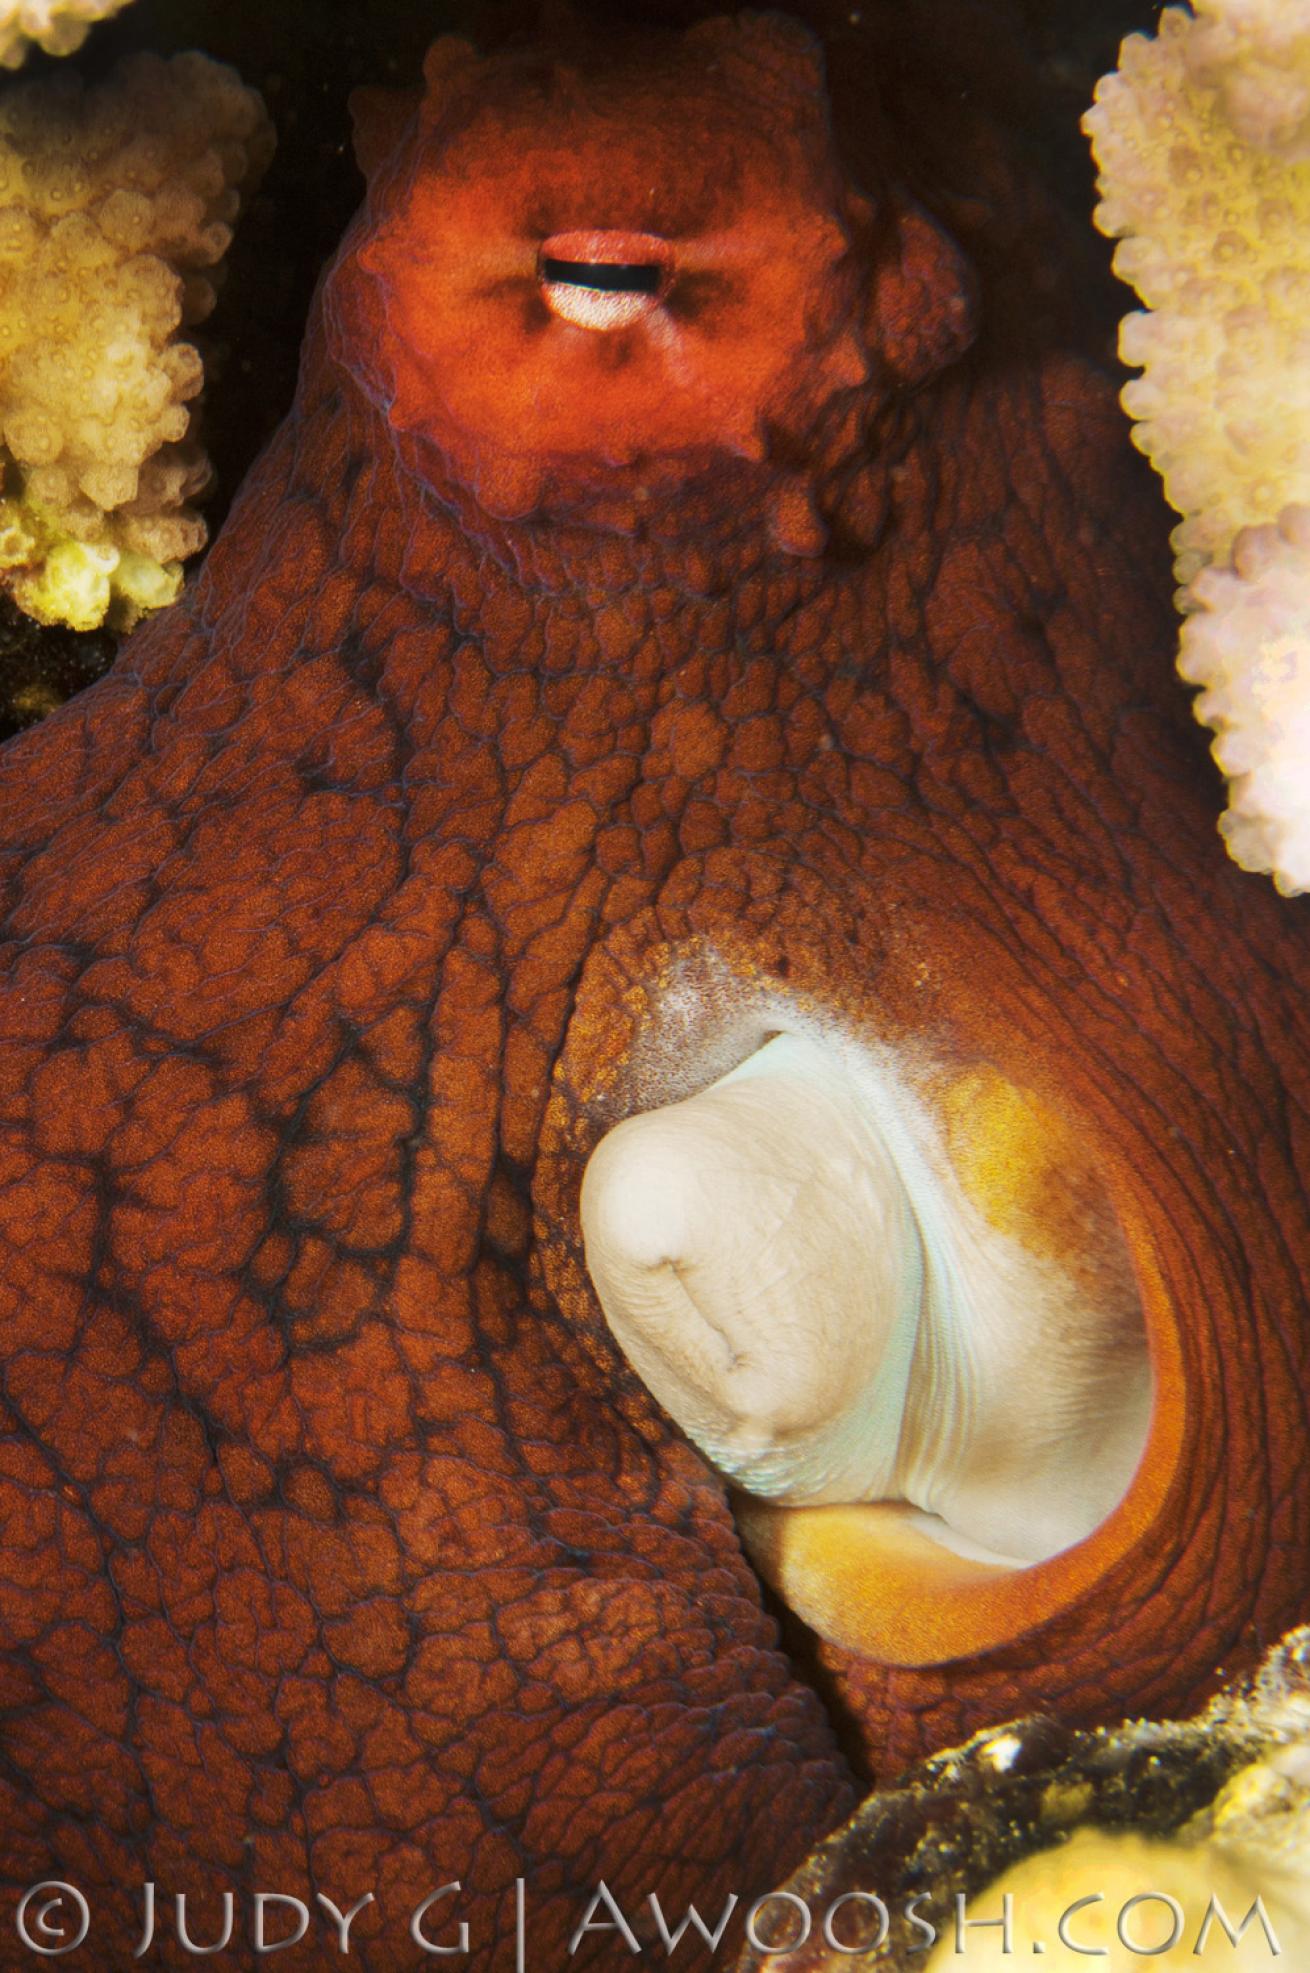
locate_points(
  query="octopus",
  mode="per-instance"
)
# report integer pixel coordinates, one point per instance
(695, 660)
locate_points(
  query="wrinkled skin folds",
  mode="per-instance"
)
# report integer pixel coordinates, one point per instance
(489, 783)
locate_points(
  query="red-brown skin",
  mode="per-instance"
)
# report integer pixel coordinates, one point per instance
(340, 1551)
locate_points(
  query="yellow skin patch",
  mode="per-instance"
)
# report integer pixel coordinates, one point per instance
(1021, 1165)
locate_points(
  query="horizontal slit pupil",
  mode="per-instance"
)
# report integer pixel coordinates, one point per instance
(613, 276)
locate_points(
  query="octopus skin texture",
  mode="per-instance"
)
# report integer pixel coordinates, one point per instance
(549, 710)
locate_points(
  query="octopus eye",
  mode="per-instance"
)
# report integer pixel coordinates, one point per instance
(603, 280)
(616, 277)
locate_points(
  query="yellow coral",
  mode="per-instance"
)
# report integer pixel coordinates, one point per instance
(59, 580)
(57, 26)
(1120, 1900)
(1231, 1887)
(116, 204)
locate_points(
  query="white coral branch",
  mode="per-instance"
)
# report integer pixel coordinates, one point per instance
(1202, 140)
(1248, 645)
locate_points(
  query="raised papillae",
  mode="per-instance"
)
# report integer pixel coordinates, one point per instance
(641, 965)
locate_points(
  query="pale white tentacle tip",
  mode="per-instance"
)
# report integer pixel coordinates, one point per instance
(756, 1257)
(846, 1299)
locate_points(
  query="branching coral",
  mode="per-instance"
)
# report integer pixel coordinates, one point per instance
(57, 26)
(1248, 645)
(1202, 138)
(1256, 53)
(116, 204)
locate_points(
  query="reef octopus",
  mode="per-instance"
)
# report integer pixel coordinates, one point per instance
(686, 619)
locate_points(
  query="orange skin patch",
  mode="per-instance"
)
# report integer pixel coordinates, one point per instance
(338, 1548)
(533, 395)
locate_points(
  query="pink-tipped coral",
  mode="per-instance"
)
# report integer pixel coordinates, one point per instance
(1202, 139)
(1248, 645)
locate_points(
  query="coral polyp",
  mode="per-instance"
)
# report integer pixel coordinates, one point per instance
(116, 207)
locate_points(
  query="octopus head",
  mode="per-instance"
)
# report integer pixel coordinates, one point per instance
(605, 273)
